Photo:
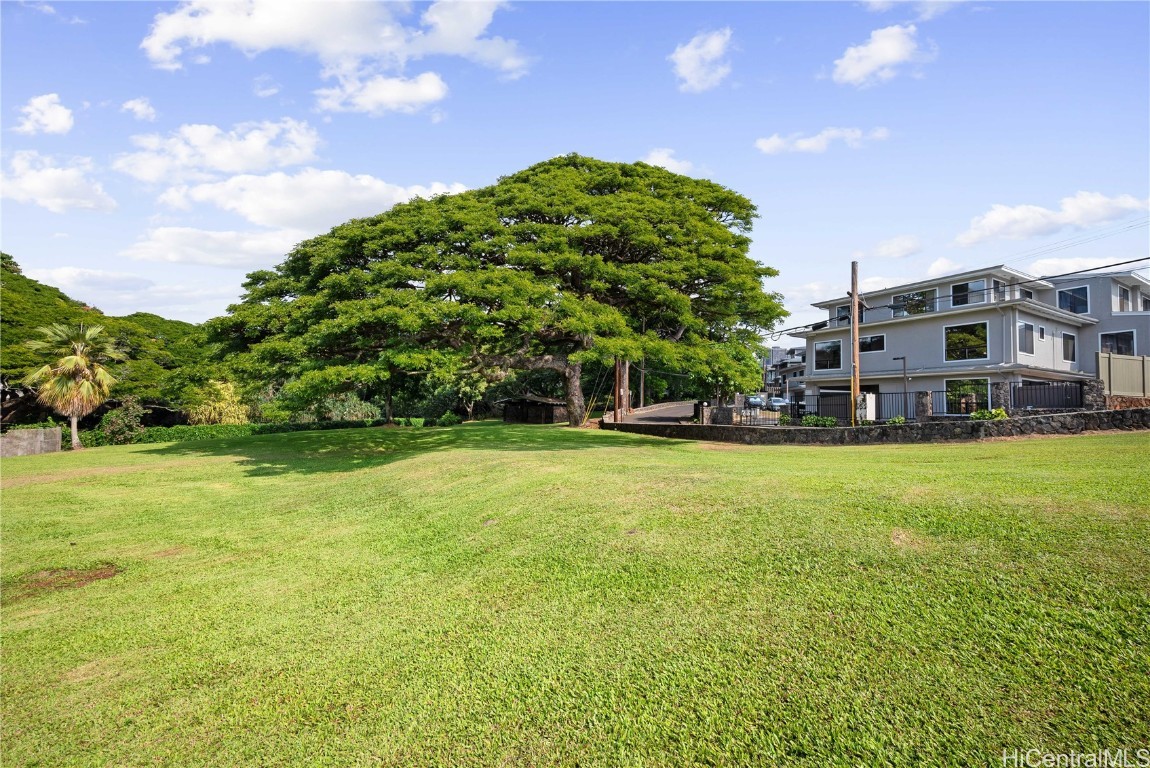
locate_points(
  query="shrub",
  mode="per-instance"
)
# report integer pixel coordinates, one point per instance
(984, 415)
(896, 420)
(222, 405)
(123, 425)
(811, 420)
(784, 419)
(348, 407)
(449, 419)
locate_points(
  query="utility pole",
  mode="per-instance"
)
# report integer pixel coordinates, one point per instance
(626, 387)
(855, 306)
(642, 381)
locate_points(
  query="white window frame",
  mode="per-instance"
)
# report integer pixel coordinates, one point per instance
(1129, 298)
(1058, 300)
(1022, 326)
(998, 289)
(1042, 333)
(815, 355)
(1026, 294)
(981, 293)
(1133, 340)
(1066, 359)
(872, 336)
(966, 359)
(931, 303)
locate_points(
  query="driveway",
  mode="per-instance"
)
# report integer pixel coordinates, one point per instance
(671, 414)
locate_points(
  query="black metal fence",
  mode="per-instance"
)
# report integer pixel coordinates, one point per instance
(891, 404)
(1053, 395)
(959, 403)
(756, 417)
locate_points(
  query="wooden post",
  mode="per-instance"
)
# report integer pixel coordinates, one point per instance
(626, 387)
(642, 381)
(855, 306)
(616, 395)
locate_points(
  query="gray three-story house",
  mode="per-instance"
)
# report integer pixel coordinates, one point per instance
(961, 333)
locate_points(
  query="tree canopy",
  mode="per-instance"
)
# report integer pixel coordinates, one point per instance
(568, 261)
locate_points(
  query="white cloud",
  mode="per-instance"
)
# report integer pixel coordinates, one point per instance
(852, 137)
(50, 11)
(45, 114)
(78, 281)
(923, 11)
(39, 179)
(898, 247)
(363, 46)
(382, 94)
(665, 158)
(140, 108)
(311, 200)
(878, 59)
(942, 266)
(1083, 210)
(1071, 264)
(700, 64)
(198, 151)
(188, 245)
(265, 86)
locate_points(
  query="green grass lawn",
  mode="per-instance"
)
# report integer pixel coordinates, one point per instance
(517, 595)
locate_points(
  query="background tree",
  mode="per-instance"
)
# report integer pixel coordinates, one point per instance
(570, 261)
(78, 381)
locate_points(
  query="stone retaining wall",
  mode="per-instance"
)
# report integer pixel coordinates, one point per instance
(25, 442)
(1116, 402)
(926, 432)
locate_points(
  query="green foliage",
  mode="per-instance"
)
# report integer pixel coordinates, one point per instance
(123, 425)
(570, 262)
(159, 351)
(811, 420)
(900, 419)
(784, 419)
(348, 407)
(221, 404)
(77, 381)
(997, 414)
(448, 419)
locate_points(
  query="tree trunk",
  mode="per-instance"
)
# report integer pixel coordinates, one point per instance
(387, 408)
(573, 389)
(76, 444)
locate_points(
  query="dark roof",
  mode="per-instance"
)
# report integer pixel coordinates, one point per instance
(533, 399)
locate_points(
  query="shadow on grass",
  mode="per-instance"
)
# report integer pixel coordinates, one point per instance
(345, 450)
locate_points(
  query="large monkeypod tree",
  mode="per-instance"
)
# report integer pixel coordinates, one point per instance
(568, 261)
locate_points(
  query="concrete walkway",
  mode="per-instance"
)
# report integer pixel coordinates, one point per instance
(673, 413)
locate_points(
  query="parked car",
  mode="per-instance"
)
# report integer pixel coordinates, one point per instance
(778, 404)
(754, 401)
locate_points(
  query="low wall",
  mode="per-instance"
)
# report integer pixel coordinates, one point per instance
(1116, 402)
(25, 442)
(926, 432)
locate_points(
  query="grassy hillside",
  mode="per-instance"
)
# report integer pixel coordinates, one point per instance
(518, 595)
(157, 346)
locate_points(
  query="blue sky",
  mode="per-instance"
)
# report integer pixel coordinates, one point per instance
(155, 153)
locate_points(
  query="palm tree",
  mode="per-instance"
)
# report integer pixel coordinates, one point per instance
(77, 382)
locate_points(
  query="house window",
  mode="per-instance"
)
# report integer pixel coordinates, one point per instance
(1069, 353)
(1121, 343)
(828, 355)
(872, 343)
(1026, 293)
(1123, 299)
(999, 290)
(1026, 338)
(1076, 300)
(1146, 303)
(968, 293)
(1041, 333)
(914, 303)
(965, 342)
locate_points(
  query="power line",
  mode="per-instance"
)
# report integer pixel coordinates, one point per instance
(933, 302)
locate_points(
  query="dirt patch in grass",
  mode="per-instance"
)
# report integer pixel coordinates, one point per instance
(54, 579)
(900, 538)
